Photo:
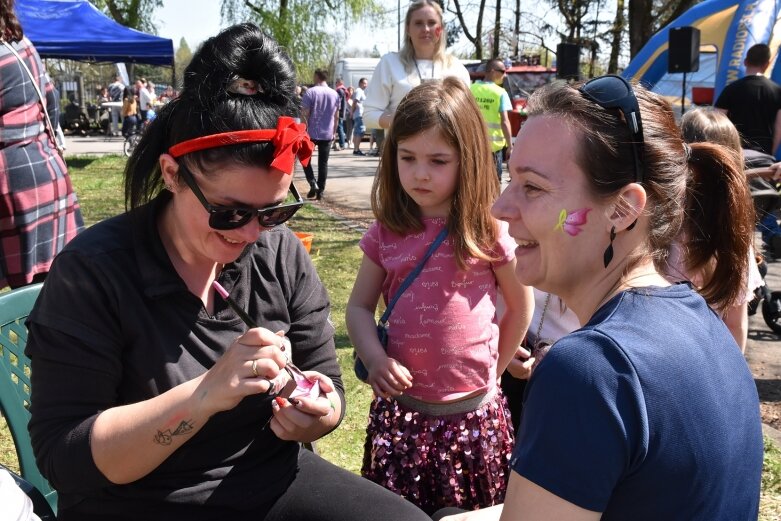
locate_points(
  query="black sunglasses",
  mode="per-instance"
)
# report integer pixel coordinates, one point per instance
(232, 217)
(614, 92)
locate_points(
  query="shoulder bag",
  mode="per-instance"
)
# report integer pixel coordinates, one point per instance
(382, 327)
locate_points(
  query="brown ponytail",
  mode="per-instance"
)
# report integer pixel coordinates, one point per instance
(719, 225)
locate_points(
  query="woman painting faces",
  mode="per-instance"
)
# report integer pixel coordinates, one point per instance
(153, 397)
(649, 410)
(422, 57)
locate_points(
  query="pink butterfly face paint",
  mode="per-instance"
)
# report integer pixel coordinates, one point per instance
(571, 222)
(438, 32)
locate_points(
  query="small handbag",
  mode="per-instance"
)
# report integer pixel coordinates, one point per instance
(48, 122)
(382, 327)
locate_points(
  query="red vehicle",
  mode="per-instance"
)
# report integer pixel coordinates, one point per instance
(520, 82)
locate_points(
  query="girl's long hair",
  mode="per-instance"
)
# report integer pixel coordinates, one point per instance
(448, 106)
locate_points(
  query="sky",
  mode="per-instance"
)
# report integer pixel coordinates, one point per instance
(197, 20)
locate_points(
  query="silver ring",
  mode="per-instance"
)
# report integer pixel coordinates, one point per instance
(255, 368)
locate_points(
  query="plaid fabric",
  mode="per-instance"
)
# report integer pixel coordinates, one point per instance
(39, 212)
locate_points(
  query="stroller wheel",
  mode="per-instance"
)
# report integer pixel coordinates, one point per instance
(771, 311)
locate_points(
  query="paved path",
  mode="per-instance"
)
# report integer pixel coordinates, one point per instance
(349, 185)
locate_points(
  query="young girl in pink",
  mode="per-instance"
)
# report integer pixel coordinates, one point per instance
(439, 430)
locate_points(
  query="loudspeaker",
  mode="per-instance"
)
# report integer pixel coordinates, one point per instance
(683, 54)
(568, 61)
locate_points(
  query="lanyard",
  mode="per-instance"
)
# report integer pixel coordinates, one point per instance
(418, 69)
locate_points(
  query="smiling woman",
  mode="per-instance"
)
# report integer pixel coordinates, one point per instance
(174, 409)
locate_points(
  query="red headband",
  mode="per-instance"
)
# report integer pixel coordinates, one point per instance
(290, 140)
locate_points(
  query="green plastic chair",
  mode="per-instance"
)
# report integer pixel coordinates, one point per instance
(15, 382)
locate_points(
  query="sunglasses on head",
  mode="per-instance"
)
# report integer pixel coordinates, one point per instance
(232, 217)
(614, 92)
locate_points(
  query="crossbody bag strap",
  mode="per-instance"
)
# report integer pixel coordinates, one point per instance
(411, 277)
(34, 81)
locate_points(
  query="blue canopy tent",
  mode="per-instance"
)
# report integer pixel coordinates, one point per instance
(76, 30)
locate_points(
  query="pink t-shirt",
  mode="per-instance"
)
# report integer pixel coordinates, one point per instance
(443, 328)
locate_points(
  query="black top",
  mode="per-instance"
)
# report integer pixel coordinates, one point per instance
(115, 324)
(752, 103)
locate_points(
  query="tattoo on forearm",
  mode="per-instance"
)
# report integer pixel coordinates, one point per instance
(166, 437)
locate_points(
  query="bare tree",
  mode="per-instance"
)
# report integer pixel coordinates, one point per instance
(475, 38)
(516, 51)
(497, 29)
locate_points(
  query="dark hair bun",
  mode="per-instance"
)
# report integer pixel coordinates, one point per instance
(241, 51)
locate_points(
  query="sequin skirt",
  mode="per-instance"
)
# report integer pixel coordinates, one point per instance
(459, 460)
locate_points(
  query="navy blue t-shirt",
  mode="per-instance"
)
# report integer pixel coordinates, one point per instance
(647, 412)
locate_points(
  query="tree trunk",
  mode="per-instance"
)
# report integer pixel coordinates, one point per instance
(497, 29)
(479, 32)
(517, 31)
(640, 25)
(615, 43)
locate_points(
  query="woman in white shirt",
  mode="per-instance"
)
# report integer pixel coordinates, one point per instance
(423, 57)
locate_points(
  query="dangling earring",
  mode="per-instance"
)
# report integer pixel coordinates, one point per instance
(609, 250)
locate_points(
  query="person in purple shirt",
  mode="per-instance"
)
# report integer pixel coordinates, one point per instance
(319, 108)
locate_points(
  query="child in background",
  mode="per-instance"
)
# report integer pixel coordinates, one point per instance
(717, 276)
(439, 430)
(129, 112)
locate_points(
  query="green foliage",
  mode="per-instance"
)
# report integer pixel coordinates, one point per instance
(182, 59)
(309, 31)
(137, 14)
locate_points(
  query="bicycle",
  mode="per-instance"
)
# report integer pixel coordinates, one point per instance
(130, 144)
(134, 137)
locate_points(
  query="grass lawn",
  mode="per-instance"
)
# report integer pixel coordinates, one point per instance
(98, 182)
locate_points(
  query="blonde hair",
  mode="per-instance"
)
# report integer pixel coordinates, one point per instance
(407, 52)
(448, 106)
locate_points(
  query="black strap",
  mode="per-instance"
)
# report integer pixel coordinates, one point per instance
(413, 275)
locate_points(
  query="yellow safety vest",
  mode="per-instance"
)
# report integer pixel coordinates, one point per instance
(488, 96)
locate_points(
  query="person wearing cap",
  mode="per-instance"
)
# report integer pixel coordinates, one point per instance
(154, 396)
(494, 105)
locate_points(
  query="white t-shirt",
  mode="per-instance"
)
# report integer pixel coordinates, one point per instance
(145, 99)
(391, 82)
(359, 97)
